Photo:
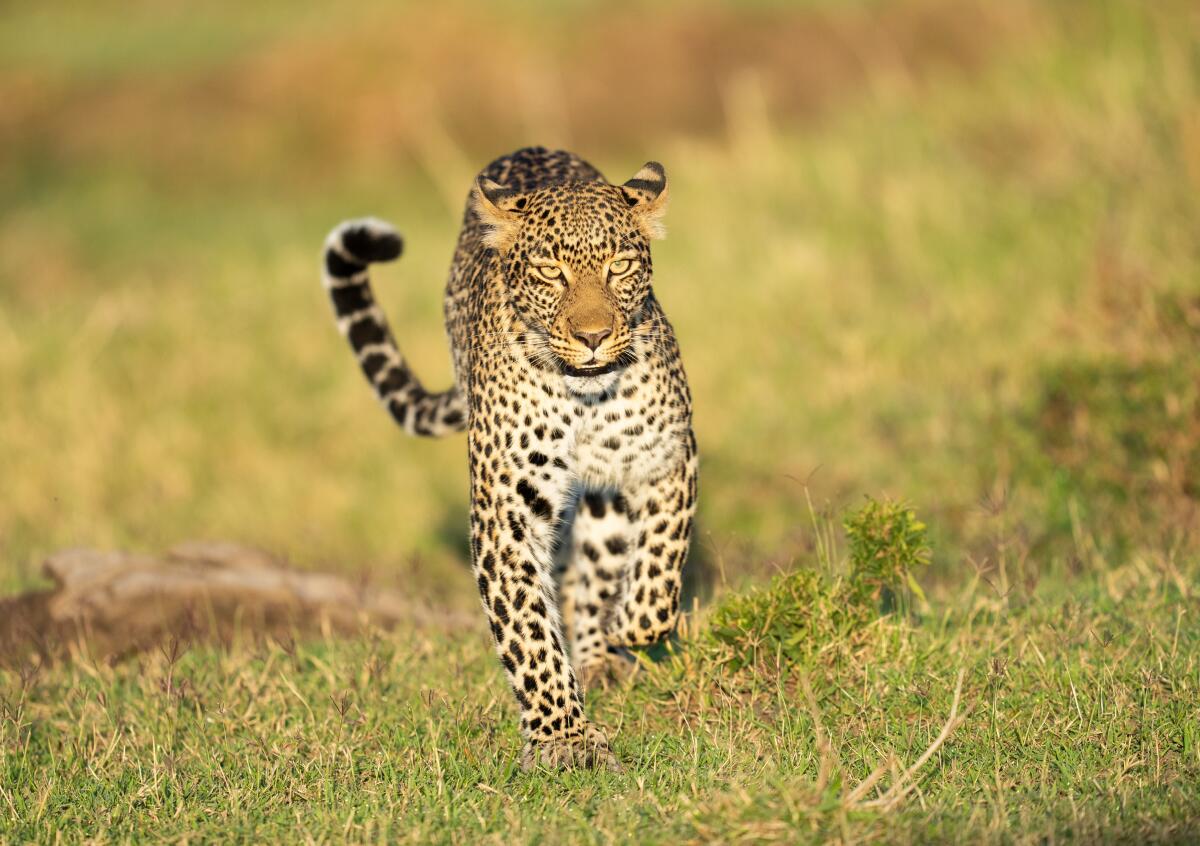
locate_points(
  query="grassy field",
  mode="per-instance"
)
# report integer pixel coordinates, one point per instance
(795, 713)
(940, 252)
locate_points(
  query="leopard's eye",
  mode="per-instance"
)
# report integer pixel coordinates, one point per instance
(619, 266)
(549, 272)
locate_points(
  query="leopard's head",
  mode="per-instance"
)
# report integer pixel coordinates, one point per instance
(576, 259)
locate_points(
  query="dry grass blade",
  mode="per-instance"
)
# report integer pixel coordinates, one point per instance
(829, 760)
(856, 795)
(907, 781)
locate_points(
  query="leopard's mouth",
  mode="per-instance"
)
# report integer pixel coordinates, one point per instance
(589, 369)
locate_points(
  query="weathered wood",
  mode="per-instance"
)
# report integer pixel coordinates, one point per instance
(112, 603)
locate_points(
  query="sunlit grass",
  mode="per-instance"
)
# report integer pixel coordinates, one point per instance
(852, 303)
(877, 300)
(1078, 720)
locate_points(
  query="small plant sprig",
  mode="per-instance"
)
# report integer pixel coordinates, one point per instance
(887, 545)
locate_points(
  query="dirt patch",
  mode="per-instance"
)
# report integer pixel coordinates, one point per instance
(110, 604)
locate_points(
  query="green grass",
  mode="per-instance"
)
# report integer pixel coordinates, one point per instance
(968, 287)
(1078, 720)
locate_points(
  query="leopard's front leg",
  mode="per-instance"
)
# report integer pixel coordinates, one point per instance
(514, 509)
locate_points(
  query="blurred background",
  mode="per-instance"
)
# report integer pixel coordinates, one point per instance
(941, 251)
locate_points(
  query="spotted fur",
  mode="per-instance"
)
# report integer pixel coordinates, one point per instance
(569, 383)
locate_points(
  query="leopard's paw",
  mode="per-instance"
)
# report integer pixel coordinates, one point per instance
(611, 668)
(588, 748)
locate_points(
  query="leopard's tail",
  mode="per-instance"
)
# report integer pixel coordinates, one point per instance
(349, 249)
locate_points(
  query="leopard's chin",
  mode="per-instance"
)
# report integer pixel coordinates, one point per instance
(591, 383)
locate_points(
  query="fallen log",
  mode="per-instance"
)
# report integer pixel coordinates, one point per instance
(115, 603)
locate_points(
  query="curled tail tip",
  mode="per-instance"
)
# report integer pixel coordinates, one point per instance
(366, 240)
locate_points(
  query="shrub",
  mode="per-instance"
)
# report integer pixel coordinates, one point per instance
(805, 611)
(887, 544)
(795, 615)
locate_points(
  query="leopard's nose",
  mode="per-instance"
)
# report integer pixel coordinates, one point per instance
(591, 340)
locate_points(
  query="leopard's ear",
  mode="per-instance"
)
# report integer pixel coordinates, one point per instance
(501, 209)
(647, 196)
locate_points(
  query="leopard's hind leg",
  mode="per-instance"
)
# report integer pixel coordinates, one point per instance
(593, 559)
(661, 513)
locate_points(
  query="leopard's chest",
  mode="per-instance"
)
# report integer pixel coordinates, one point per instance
(610, 432)
(627, 436)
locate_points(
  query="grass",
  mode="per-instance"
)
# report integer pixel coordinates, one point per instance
(959, 271)
(1078, 720)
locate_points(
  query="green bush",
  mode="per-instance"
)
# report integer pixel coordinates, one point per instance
(806, 611)
(793, 617)
(887, 544)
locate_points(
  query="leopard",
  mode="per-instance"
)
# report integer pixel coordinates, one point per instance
(569, 384)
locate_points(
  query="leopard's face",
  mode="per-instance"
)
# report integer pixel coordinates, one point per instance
(579, 273)
(576, 259)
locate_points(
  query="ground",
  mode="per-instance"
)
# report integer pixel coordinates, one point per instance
(1079, 721)
(961, 271)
